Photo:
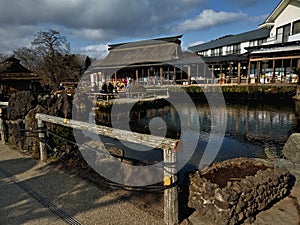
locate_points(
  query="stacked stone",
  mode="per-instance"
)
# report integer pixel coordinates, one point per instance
(241, 198)
(20, 119)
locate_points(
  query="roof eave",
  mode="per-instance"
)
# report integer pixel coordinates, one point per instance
(267, 25)
(276, 12)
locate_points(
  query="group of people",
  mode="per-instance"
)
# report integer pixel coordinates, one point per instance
(113, 86)
(104, 89)
(107, 88)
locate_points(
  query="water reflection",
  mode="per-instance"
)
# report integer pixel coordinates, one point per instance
(250, 127)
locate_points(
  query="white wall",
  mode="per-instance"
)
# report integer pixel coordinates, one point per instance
(243, 46)
(290, 14)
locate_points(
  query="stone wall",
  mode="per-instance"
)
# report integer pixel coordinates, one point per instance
(20, 118)
(234, 191)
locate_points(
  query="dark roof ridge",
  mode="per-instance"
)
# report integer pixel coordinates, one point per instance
(171, 39)
(237, 38)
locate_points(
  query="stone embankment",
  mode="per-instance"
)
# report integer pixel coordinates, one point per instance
(234, 191)
(248, 191)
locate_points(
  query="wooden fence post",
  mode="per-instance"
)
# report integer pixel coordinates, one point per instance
(41, 128)
(170, 194)
(169, 146)
(2, 128)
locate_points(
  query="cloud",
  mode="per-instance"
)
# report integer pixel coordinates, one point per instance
(95, 20)
(95, 51)
(258, 19)
(209, 18)
(16, 37)
(196, 43)
(90, 34)
(95, 14)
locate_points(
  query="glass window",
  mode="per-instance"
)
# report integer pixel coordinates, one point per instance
(283, 33)
(286, 32)
(213, 52)
(279, 34)
(237, 49)
(221, 51)
(296, 27)
(233, 49)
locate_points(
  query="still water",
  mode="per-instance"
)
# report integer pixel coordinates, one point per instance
(251, 128)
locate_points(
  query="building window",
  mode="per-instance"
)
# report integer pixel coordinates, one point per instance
(261, 41)
(204, 53)
(213, 52)
(220, 51)
(217, 52)
(283, 33)
(296, 27)
(233, 49)
(279, 34)
(253, 43)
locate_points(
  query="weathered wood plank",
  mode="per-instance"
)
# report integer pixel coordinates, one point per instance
(133, 137)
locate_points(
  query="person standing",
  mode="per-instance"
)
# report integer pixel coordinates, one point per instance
(104, 88)
(110, 88)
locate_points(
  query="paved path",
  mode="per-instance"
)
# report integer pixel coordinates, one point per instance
(80, 200)
(86, 203)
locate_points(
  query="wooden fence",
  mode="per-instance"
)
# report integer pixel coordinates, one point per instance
(168, 146)
(2, 128)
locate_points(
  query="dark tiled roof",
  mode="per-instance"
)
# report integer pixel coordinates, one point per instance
(230, 40)
(147, 51)
(173, 39)
(11, 69)
(12, 65)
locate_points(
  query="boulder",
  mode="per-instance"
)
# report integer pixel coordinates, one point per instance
(62, 107)
(291, 149)
(20, 104)
(32, 142)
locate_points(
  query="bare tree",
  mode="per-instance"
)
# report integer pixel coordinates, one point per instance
(52, 47)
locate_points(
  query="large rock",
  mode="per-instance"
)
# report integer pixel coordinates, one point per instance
(20, 104)
(15, 132)
(291, 149)
(31, 144)
(62, 107)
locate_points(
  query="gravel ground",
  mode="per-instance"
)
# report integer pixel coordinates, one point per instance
(86, 202)
(96, 204)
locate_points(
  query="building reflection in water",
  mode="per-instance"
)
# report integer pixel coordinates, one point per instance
(248, 122)
(250, 127)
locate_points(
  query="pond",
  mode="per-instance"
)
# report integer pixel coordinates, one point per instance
(253, 129)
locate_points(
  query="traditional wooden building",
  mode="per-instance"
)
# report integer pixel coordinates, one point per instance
(14, 77)
(149, 62)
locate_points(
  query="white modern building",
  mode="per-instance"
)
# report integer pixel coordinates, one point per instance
(268, 55)
(284, 22)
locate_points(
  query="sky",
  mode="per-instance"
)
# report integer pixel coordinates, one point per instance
(89, 25)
